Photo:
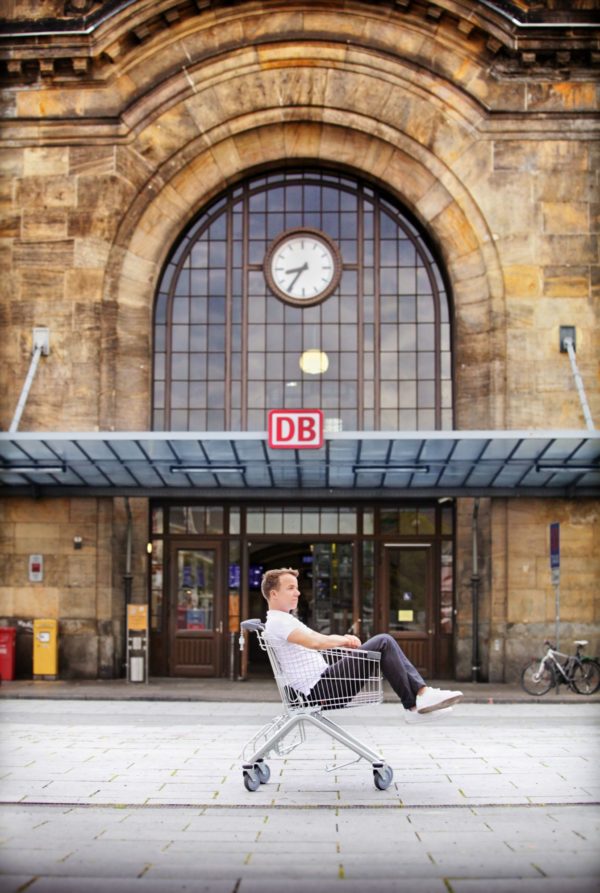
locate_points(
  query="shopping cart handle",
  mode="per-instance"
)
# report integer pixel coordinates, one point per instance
(253, 626)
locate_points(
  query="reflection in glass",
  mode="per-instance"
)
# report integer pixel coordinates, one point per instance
(407, 585)
(195, 589)
(216, 321)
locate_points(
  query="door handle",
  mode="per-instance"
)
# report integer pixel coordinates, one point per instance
(220, 629)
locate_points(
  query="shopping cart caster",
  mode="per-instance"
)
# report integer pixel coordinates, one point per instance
(382, 776)
(256, 774)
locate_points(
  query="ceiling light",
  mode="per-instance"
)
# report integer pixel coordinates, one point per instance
(33, 469)
(386, 469)
(211, 469)
(314, 362)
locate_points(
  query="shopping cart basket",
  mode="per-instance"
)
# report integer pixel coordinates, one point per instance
(352, 679)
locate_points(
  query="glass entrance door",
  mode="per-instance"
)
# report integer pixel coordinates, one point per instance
(407, 608)
(196, 624)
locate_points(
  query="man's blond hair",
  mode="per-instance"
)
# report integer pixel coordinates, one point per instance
(270, 579)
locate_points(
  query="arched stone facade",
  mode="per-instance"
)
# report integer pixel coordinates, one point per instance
(121, 127)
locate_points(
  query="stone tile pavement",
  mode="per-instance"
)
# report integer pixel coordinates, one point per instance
(148, 796)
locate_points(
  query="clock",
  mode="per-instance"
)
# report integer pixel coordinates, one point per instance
(303, 266)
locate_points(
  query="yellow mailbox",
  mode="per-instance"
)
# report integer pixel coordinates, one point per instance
(45, 649)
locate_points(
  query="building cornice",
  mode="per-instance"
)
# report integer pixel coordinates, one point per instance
(517, 41)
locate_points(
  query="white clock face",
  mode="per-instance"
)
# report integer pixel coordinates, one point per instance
(303, 266)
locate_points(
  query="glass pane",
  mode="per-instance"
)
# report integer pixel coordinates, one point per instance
(447, 589)
(234, 584)
(367, 589)
(407, 587)
(195, 589)
(204, 304)
(332, 588)
(156, 585)
(157, 520)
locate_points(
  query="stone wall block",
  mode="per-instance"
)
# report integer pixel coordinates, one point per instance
(10, 226)
(174, 129)
(37, 601)
(558, 156)
(454, 230)
(523, 281)
(571, 249)
(308, 138)
(566, 281)
(44, 225)
(565, 96)
(12, 163)
(564, 185)
(45, 255)
(78, 655)
(565, 217)
(294, 83)
(45, 161)
(46, 284)
(92, 160)
(46, 192)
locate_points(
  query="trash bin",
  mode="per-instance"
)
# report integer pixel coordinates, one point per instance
(8, 636)
(45, 649)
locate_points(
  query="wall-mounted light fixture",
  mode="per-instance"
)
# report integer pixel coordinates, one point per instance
(77, 542)
(387, 469)
(211, 469)
(33, 469)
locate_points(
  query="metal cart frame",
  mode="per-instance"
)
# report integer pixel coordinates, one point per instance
(361, 684)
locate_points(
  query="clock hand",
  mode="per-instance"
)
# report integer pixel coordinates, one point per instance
(298, 271)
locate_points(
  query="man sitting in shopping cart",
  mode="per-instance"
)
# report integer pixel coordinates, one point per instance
(318, 681)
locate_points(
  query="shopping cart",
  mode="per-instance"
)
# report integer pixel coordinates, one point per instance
(360, 684)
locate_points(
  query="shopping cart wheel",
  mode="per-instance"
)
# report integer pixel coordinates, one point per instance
(264, 773)
(382, 776)
(251, 778)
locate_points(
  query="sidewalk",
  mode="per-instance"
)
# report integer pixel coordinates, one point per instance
(256, 689)
(130, 796)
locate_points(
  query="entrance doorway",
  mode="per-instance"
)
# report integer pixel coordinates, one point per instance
(362, 569)
(407, 600)
(326, 573)
(195, 613)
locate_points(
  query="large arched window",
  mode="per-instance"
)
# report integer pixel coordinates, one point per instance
(374, 353)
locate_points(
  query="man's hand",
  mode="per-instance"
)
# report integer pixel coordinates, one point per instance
(311, 639)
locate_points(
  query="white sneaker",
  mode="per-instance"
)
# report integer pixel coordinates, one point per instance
(436, 699)
(411, 716)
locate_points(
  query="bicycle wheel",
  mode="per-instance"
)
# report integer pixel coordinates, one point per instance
(535, 682)
(586, 677)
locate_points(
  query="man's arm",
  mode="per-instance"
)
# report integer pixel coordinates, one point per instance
(308, 638)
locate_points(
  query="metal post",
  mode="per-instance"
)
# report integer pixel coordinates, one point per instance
(475, 597)
(567, 343)
(557, 619)
(127, 581)
(41, 347)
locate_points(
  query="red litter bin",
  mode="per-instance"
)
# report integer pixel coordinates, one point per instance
(8, 635)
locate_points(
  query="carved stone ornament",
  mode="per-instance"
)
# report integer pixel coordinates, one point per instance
(78, 7)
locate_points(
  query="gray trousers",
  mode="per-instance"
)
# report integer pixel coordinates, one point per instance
(339, 681)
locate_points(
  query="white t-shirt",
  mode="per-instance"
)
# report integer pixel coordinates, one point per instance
(301, 666)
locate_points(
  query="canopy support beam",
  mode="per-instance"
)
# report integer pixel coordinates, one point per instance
(567, 343)
(41, 347)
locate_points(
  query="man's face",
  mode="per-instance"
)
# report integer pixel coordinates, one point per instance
(285, 597)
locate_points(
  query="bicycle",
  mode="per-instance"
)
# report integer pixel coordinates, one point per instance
(580, 673)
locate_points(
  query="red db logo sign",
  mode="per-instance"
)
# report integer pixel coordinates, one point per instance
(295, 429)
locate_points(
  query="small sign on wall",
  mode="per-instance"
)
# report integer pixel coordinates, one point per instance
(36, 568)
(295, 429)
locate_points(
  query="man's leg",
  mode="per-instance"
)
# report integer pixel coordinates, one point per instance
(342, 680)
(404, 678)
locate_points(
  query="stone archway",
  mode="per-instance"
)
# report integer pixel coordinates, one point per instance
(439, 200)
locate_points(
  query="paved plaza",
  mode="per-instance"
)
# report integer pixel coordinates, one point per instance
(148, 796)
